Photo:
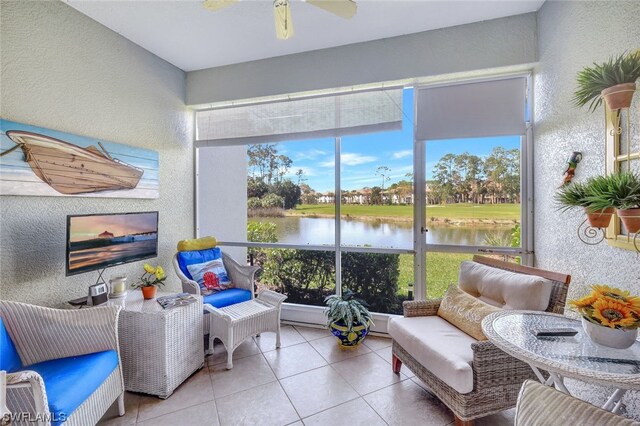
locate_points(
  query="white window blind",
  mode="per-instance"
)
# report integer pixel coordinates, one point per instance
(325, 116)
(480, 109)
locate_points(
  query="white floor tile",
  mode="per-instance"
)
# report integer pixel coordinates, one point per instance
(376, 343)
(289, 336)
(352, 413)
(202, 415)
(262, 405)
(385, 354)
(246, 348)
(317, 390)
(406, 403)
(246, 373)
(111, 417)
(295, 359)
(329, 349)
(311, 333)
(367, 373)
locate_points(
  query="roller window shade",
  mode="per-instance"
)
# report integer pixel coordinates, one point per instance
(481, 109)
(327, 116)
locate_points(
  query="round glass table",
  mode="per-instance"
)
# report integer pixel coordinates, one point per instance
(577, 356)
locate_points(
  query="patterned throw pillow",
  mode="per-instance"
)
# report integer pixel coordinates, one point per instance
(211, 276)
(465, 311)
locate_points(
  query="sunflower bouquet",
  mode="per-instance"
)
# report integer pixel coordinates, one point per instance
(151, 277)
(609, 307)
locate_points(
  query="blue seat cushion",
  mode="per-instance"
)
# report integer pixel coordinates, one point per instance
(227, 297)
(9, 358)
(196, 256)
(70, 381)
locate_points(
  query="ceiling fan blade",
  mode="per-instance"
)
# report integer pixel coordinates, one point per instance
(283, 22)
(343, 8)
(214, 5)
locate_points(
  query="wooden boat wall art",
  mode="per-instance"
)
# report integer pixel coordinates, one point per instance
(39, 161)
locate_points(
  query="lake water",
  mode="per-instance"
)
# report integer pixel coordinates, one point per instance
(376, 233)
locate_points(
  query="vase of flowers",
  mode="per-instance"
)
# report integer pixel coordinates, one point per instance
(610, 316)
(150, 280)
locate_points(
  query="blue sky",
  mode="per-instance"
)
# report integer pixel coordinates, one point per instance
(362, 154)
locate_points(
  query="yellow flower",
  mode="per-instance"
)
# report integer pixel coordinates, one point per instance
(159, 272)
(634, 303)
(611, 313)
(584, 302)
(605, 290)
(149, 269)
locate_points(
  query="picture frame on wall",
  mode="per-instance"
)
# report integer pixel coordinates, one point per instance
(35, 161)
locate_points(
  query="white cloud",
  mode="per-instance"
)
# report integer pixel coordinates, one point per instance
(310, 154)
(402, 154)
(350, 159)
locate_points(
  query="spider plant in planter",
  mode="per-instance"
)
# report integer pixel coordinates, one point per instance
(348, 318)
(621, 191)
(613, 80)
(577, 195)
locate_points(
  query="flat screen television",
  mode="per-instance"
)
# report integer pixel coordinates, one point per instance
(98, 241)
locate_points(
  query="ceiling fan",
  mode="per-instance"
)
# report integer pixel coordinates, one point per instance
(282, 11)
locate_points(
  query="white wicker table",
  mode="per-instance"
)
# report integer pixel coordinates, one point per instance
(160, 348)
(234, 323)
(576, 356)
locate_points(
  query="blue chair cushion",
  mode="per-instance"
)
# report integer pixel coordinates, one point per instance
(70, 381)
(227, 297)
(9, 358)
(196, 256)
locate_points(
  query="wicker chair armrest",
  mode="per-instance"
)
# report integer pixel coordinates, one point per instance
(41, 334)
(26, 393)
(188, 285)
(421, 308)
(271, 297)
(241, 276)
(493, 367)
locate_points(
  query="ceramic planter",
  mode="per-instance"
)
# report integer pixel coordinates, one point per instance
(346, 338)
(619, 96)
(600, 219)
(610, 337)
(149, 292)
(631, 219)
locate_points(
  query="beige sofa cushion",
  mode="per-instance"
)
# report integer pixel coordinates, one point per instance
(439, 346)
(505, 289)
(465, 311)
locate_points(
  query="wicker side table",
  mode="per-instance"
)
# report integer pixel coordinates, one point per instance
(160, 348)
(234, 323)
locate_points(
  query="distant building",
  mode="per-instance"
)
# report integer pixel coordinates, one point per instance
(106, 234)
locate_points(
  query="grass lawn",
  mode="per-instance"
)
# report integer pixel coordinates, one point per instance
(442, 270)
(451, 211)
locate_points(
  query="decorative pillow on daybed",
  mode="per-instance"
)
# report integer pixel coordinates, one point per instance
(211, 275)
(465, 311)
(505, 289)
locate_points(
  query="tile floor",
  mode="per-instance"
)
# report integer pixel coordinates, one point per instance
(308, 381)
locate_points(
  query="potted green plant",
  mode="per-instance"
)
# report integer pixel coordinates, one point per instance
(620, 190)
(348, 318)
(613, 80)
(150, 280)
(577, 195)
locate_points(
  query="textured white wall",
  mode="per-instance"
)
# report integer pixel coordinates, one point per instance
(572, 35)
(496, 43)
(64, 71)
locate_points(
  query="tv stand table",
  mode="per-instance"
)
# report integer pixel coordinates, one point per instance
(160, 348)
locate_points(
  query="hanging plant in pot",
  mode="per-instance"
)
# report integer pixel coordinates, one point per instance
(150, 280)
(621, 191)
(610, 316)
(348, 319)
(576, 195)
(614, 81)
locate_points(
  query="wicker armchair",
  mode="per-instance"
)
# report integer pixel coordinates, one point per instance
(242, 277)
(540, 405)
(497, 377)
(63, 366)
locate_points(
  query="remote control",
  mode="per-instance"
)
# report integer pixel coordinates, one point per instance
(554, 332)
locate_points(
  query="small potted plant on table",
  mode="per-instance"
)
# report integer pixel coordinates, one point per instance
(149, 281)
(610, 316)
(348, 319)
(613, 80)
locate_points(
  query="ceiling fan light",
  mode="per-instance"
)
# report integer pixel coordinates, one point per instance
(283, 22)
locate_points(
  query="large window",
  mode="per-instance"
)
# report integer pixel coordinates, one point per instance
(339, 193)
